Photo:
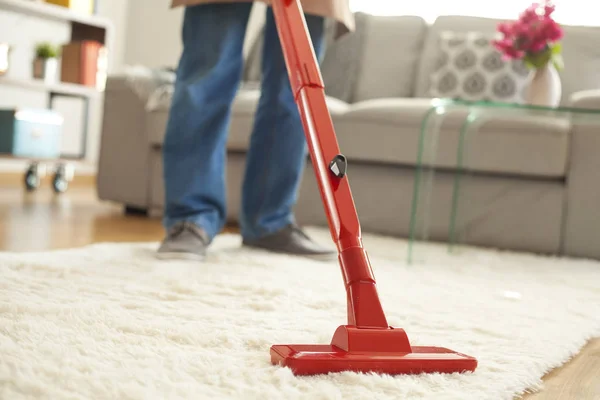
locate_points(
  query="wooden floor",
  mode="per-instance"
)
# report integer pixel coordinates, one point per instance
(42, 221)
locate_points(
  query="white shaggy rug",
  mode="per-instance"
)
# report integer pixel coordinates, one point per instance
(109, 321)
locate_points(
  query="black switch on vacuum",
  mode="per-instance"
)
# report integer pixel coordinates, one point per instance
(339, 166)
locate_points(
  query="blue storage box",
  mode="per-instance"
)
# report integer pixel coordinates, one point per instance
(30, 133)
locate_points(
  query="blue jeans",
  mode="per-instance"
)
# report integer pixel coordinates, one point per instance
(194, 152)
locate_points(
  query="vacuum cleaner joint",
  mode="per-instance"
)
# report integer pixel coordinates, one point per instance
(339, 166)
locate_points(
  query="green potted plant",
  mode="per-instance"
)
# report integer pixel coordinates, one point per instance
(45, 63)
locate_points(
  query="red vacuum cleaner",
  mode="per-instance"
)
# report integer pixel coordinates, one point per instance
(367, 343)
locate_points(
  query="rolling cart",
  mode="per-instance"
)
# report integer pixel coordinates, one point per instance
(35, 134)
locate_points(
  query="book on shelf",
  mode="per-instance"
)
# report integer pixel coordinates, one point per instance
(84, 63)
(87, 7)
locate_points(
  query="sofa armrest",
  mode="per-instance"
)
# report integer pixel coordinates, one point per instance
(586, 99)
(582, 222)
(124, 146)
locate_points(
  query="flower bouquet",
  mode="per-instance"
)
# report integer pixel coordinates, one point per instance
(534, 37)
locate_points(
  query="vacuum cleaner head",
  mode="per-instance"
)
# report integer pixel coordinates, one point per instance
(367, 343)
(375, 355)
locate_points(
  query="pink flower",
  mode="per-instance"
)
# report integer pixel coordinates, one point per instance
(521, 27)
(513, 54)
(552, 31)
(537, 46)
(548, 9)
(504, 28)
(533, 32)
(528, 15)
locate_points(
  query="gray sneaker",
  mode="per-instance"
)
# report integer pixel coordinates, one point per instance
(184, 241)
(292, 240)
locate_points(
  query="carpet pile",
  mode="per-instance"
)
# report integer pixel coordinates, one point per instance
(109, 321)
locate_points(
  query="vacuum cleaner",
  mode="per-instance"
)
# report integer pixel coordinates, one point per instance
(366, 344)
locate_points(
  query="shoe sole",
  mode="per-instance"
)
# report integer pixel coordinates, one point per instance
(180, 256)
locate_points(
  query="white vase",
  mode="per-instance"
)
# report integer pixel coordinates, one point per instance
(45, 69)
(544, 87)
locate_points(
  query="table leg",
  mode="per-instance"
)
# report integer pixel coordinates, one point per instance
(419, 229)
(456, 230)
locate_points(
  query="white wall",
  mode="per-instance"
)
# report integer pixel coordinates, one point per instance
(153, 36)
(153, 33)
(117, 12)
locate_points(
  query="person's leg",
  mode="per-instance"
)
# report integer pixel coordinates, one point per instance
(194, 149)
(277, 153)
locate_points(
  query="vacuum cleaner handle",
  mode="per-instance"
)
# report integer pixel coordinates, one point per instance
(330, 164)
(364, 308)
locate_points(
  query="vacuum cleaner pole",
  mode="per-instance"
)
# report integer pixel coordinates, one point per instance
(364, 309)
(367, 342)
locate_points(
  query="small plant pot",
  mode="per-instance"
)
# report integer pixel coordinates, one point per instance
(45, 69)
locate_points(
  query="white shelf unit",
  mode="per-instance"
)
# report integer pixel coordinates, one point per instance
(81, 27)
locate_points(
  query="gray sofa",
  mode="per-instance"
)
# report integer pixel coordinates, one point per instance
(534, 184)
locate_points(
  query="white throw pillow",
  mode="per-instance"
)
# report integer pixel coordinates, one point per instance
(470, 68)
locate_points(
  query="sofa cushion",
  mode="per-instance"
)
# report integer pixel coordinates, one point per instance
(360, 65)
(468, 67)
(253, 63)
(242, 121)
(580, 53)
(341, 62)
(391, 50)
(388, 131)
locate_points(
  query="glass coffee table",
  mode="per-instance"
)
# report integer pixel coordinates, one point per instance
(429, 224)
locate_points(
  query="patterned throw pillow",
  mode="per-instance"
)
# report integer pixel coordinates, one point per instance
(468, 67)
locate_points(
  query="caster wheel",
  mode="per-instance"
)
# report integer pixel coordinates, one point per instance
(60, 183)
(62, 177)
(32, 178)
